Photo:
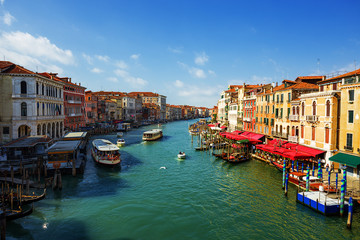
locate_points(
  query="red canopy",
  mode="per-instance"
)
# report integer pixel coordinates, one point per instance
(285, 152)
(310, 151)
(222, 127)
(211, 125)
(252, 135)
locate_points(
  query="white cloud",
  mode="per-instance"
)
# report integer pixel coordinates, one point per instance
(88, 58)
(175, 50)
(178, 83)
(134, 81)
(135, 56)
(197, 72)
(113, 79)
(8, 18)
(35, 53)
(195, 91)
(102, 58)
(201, 58)
(2, 2)
(211, 72)
(121, 64)
(96, 70)
(36, 47)
(258, 79)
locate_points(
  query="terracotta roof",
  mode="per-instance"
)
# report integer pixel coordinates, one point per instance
(302, 85)
(289, 81)
(230, 90)
(310, 77)
(9, 67)
(356, 72)
(278, 88)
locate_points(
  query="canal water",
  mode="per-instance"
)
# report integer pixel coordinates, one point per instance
(198, 198)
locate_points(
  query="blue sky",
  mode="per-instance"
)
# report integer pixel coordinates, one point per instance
(187, 50)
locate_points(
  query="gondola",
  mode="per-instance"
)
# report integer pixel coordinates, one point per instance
(12, 214)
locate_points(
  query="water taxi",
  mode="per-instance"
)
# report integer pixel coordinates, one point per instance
(152, 135)
(105, 152)
(120, 142)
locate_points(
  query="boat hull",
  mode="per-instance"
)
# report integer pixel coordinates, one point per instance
(105, 161)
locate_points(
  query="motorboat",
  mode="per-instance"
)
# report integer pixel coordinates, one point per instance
(181, 155)
(119, 134)
(120, 142)
(105, 152)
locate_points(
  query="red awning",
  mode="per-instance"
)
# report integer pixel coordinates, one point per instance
(308, 150)
(252, 135)
(211, 125)
(222, 127)
(285, 152)
(277, 142)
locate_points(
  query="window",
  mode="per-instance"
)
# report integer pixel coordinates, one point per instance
(349, 140)
(6, 130)
(314, 108)
(289, 97)
(351, 95)
(334, 86)
(37, 89)
(277, 98)
(302, 109)
(23, 109)
(351, 116)
(282, 97)
(23, 87)
(313, 133)
(328, 108)
(321, 88)
(288, 112)
(327, 133)
(302, 131)
(281, 113)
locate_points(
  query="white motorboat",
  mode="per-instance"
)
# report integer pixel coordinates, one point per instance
(105, 152)
(181, 155)
(119, 134)
(120, 142)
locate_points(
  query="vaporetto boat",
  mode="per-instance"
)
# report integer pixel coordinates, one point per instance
(152, 135)
(105, 152)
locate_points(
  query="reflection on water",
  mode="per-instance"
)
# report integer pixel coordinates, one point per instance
(200, 197)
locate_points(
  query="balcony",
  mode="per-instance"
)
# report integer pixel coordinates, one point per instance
(312, 118)
(294, 117)
(293, 139)
(278, 134)
(247, 119)
(348, 148)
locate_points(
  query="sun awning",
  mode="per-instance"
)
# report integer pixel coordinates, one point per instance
(343, 158)
(251, 135)
(311, 151)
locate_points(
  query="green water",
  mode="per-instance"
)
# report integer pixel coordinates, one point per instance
(198, 198)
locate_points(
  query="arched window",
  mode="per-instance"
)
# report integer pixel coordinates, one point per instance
(313, 129)
(303, 109)
(297, 110)
(327, 134)
(314, 108)
(293, 112)
(23, 109)
(328, 108)
(23, 87)
(302, 131)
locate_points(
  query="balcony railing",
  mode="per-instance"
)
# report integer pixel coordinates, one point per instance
(294, 117)
(348, 148)
(293, 139)
(278, 134)
(247, 119)
(311, 118)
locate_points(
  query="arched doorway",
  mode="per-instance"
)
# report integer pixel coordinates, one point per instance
(24, 130)
(44, 129)
(53, 130)
(38, 132)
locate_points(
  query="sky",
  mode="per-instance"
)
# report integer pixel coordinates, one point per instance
(187, 50)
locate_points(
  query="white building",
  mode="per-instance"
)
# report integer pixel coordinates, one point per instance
(32, 104)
